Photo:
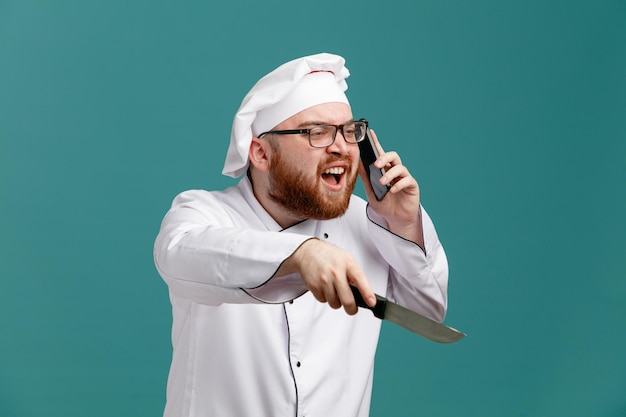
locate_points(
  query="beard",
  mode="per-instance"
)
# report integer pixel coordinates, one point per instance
(297, 192)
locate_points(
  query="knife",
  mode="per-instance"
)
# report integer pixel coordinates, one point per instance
(410, 320)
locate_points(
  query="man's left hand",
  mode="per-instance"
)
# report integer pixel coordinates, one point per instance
(401, 206)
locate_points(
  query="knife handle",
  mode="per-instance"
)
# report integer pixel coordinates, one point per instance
(378, 309)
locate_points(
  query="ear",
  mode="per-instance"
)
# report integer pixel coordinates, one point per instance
(259, 154)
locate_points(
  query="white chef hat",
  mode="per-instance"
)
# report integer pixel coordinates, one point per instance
(295, 86)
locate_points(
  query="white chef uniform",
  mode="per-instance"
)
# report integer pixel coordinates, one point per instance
(247, 344)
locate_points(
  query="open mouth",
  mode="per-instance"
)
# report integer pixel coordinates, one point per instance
(333, 176)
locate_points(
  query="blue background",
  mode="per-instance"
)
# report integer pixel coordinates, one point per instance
(512, 115)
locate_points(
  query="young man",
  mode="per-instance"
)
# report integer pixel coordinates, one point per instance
(258, 273)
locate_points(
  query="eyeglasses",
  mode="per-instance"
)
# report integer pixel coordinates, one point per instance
(321, 136)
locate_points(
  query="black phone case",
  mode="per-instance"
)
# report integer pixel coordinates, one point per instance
(368, 157)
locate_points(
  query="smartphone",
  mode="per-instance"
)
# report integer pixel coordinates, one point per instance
(369, 154)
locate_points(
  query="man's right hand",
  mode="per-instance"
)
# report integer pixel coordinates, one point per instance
(328, 271)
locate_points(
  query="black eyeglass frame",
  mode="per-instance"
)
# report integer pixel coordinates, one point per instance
(308, 132)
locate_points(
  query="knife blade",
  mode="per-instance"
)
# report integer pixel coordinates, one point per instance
(410, 320)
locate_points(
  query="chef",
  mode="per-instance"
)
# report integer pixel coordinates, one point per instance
(259, 274)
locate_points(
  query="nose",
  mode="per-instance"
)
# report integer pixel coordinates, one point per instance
(339, 145)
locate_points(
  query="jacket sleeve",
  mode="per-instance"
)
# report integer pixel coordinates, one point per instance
(418, 278)
(205, 253)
